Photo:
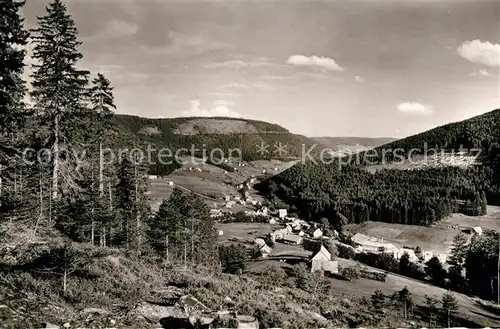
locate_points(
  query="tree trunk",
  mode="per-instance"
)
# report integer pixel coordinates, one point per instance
(55, 169)
(448, 318)
(1, 185)
(166, 246)
(101, 172)
(110, 197)
(92, 229)
(138, 214)
(50, 204)
(65, 277)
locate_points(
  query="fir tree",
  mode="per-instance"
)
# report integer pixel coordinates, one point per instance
(131, 203)
(13, 112)
(102, 106)
(13, 38)
(59, 91)
(449, 307)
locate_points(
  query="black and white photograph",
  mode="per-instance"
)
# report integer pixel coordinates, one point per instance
(249, 164)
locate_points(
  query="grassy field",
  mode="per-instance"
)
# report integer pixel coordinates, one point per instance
(213, 183)
(244, 232)
(437, 238)
(490, 221)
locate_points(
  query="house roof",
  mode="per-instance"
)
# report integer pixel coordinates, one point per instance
(265, 249)
(292, 238)
(322, 254)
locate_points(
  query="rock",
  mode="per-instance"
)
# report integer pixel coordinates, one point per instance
(66, 325)
(49, 325)
(153, 312)
(228, 299)
(91, 310)
(112, 322)
(168, 296)
(175, 322)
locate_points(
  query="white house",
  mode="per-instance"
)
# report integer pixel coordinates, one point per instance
(292, 239)
(153, 177)
(322, 261)
(282, 213)
(265, 250)
(478, 230)
(317, 233)
(427, 255)
(260, 242)
(399, 252)
(371, 244)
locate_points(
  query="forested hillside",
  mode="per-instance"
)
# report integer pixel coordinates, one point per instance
(224, 134)
(410, 197)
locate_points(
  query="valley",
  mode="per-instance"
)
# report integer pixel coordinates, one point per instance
(185, 165)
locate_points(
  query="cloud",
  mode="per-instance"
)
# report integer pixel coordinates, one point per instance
(359, 79)
(480, 52)
(114, 30)
(323, 62)
(280, 77)
(415, 108)
(235, 85)
(195, 110)
(224, 94)
(483, 73)
(180, 44)
(239, 64)
(221, 102)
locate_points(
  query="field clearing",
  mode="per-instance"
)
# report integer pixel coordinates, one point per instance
(244, 232)
(490, 221)
(418, 162)
(437, 238)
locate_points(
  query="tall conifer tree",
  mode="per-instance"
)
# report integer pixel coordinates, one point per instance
(59, 91)
(13, 39)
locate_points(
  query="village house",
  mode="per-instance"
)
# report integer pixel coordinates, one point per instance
(282, 213)
(153, 177)
(399, 252)
(260, 242)
(230, 204)
(265, 250)
(215, 213)
(280, 234)
(371, 244)
(292, 239)
(322, 261)
(318, 233)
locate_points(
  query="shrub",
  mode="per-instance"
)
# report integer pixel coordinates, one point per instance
(350, 272)
(346, 251)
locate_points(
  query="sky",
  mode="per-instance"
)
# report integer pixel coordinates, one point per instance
(326, 68)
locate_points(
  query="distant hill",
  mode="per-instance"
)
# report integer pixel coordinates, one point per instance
(419, 196)
(336, 143)
(218, 134)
